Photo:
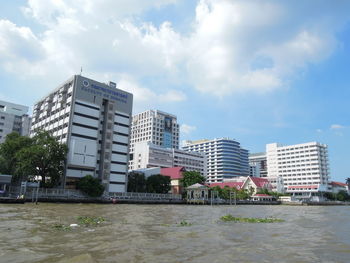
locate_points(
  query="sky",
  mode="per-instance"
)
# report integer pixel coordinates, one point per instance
(258, 71)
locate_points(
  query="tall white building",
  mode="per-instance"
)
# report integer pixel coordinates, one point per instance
(225, 158)
(157, 127)
(148, 155)
(13, 118)
(94, 120)
(303, 167)
(258, 164)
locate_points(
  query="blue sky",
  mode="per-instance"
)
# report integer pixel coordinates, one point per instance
(258, 71)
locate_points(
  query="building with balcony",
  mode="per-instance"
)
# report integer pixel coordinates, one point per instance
(93, 119)
(303, 167)
(158, 127)
(225, 158)
(13, 118)
(148, 155)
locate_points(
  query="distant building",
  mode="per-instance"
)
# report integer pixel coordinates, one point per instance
(225, 158)
(336, 187)
(157, 127)
(258, 164)
(175, 174)
(251, 184)
(94, 120)
(13, 118)
(303, 167)
(147, 155)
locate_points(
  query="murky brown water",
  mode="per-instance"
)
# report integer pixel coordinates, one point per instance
(148, 233)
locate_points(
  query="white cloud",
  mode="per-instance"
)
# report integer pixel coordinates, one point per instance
(231, 46)
(187, 129)
(319, 131)
(337, 127)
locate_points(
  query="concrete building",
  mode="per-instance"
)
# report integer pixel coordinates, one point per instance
(147, 155)
(94, 120)
(157, 127)
(13, 118)
(225, 158)
(258, 164)
(303, 167)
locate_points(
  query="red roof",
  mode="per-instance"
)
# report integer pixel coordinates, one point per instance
(174, 173)
(237, 185)
(259, 182)
(339, 184)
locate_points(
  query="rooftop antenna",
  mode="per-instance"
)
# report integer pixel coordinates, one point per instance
(81, 70)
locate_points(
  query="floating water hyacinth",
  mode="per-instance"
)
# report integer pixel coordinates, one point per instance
(231, 218)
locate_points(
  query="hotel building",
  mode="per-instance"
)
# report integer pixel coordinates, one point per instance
(258, 164)
(13, 118)
(148, 155)
(94, 120)
(157, 127)
(225, 158)
(303, 167)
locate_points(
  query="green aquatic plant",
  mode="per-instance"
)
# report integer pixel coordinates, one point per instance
(90, 220)
(231, 218)
(184, 223)
(61, 227)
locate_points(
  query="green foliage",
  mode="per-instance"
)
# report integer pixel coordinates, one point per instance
(91, 186)
(230, 218)
(275, 194)
(61, 227)
(158, 184)
(136, 182)
(44, 157)
(184, 223)
(90, 220)
(340, 196)
(224, 193)
(192, 177)
(8, 153)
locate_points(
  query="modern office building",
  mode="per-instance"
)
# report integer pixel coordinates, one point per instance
(147, 155)
(157, 127)
(225, 158)
(303, 167)
(94, 120)
(258, 164)
(13, 118)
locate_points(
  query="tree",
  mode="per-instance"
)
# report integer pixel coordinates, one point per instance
(136, 182)
(44, 158)
(158, 184)
(91, 186)
(192, 177)
(342, 195)
(8, 151)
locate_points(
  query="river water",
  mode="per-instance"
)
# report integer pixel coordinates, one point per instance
(150, 233)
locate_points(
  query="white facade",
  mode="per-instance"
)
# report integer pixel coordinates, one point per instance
(155, 126)
(225, 158)
(93, 119)
(258, 164)
(13, 118)
(147, 155)
(303, 167)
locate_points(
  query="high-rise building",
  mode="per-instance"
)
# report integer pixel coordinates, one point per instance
(157, 127)
(225, 158)
(94, 120)
(303, 167)
(148, 155)
(13, 118)
(258, 164)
